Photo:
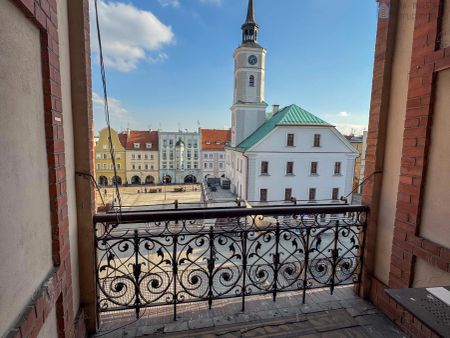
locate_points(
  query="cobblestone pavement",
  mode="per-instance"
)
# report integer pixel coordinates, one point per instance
(327, 316)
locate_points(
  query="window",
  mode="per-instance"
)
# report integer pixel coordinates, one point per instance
(287, 194)
(139, 157)
(251, 81)
(171, 143)
(117, 157)
(313, 168)
(211, 156)
(189, 166)
(264, 168)
(195, 145)
(148, 145)
(105, 166)
(221, 156)
(145, 157)
(118, 165)
(105, 146)
(210, 165)
(263, 195)
(171, 166)
(312, 194)
(221, 165)
(165, 143)
(290, 140)
(98, 156)
(195, 165)
(337, 168)
(316, 140)
(164, 166)
(134, 167)
(290, 168)
(105, 156)
(205, 165)
(206, 156)
(136, 145)
(111, 166)
(133, 156)
(152, 157)
(335, 194)
(98, 166)
(146, 167)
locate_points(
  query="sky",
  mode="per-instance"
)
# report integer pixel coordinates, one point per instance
(169, 63)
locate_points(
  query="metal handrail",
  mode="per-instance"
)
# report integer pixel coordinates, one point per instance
(222, 212)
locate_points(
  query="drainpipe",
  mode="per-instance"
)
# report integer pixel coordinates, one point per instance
(246, 188)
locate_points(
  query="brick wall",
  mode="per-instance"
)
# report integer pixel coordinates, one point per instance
(427, 60)
(56, 291)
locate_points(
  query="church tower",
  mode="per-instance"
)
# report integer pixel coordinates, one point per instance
(248, 112)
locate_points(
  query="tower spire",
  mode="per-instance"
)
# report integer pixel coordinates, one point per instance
(250, 13)
(250, 27)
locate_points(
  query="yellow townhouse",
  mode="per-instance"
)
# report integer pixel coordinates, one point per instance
(104, 170)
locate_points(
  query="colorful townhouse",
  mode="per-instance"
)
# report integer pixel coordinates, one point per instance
(104, 169)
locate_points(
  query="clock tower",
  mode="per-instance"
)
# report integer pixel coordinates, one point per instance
(248, 112)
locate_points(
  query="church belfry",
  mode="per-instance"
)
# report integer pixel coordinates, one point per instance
(250, 28)
(248, 112)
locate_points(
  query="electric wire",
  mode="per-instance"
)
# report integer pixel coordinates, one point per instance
(92, 178)
(106, 107)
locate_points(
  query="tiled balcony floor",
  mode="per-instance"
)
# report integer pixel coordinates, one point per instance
(339, 315)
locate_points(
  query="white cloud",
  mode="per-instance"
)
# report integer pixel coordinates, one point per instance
(177, 3)
(118, 114)
(129, 35)
(172, 3)
(348, 129)
(344, 114)
(213, 2)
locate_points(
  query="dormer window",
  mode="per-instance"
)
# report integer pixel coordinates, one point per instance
(218, 142)
(148, 145)
(136, 145)
(208, 142)
(251, 81)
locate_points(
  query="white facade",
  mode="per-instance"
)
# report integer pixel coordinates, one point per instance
(142, 166)
(249, 109)
(247, 179)
(179, 157)
(213, 164)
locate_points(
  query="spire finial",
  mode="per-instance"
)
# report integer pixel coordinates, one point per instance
(250, 13)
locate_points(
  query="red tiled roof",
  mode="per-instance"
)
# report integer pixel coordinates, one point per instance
(215, 139)
(129, 138)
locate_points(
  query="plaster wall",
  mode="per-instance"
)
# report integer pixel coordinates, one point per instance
(394, 139)
(445, 35)
(436, 213)
(428, 276)
(25, 243)
(64, 54)
(50, 327)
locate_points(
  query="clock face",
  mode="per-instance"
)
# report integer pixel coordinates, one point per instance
(252, 59)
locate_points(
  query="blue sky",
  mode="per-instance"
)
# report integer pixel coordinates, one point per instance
(169, 62)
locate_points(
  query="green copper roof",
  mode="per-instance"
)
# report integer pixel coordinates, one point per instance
(291, 115)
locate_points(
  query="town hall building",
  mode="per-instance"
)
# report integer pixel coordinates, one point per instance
(287, 153)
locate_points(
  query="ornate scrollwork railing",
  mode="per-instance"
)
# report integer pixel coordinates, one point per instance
(181, 256)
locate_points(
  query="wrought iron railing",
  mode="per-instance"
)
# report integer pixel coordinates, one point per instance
(172, 257)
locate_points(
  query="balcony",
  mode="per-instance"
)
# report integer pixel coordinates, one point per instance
(194, 268)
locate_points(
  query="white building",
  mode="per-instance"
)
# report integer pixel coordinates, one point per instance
(141, 151)
(288, 153)
(213, 152)
(179, 157)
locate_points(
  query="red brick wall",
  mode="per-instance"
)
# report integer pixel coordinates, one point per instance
(427, 60)
(56, 292)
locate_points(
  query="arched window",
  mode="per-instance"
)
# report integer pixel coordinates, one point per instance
(251, 81)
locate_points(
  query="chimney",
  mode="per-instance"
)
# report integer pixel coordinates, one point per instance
(275, 109)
